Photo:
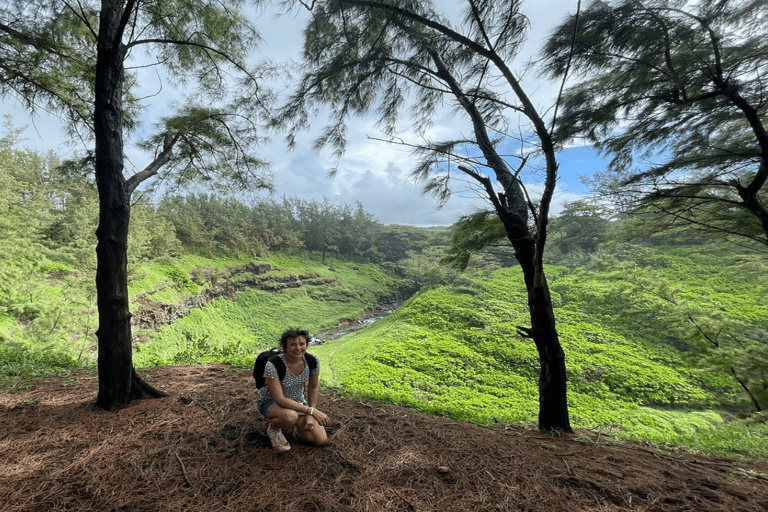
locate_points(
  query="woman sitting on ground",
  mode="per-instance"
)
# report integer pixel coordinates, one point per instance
(292, 402)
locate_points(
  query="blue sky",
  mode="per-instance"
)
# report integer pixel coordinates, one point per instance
(373, 173)
(578, 161)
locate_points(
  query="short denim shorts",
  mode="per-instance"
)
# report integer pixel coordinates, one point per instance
(265, 406)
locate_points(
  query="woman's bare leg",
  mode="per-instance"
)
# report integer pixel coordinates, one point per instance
(311, 431)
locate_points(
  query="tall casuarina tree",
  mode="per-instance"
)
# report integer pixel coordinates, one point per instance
(374, 56)
(675, 92)
(75, 57)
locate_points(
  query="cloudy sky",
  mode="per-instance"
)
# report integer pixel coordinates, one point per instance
(373, 173)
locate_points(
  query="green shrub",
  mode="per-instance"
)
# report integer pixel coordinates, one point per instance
(738, 438)
(180, 278)
(55, 267)
(21, 362)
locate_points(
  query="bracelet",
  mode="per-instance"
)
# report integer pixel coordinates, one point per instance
(311, 411)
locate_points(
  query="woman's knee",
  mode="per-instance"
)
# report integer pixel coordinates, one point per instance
(314, 433)
(287, 417)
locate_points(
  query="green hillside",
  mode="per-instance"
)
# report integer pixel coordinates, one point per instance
(295, 293)
(453, 350)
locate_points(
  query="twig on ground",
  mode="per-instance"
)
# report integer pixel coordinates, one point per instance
(184, 471)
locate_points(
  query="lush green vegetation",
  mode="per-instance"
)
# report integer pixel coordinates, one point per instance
(637, 364)
(665, 342)
(234, 331)
(179, 252)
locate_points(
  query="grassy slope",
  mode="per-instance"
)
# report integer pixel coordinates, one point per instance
(452, 350)
(234, 332)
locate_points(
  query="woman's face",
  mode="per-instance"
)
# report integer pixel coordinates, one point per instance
(296, 346)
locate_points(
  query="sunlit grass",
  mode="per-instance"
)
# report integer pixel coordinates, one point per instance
(455, 353)
(234, 332)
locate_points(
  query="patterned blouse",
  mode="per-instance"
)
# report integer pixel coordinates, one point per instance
(294, 387)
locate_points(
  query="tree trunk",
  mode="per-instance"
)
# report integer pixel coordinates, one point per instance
(512, 209)
(116, 373)
(553, 396)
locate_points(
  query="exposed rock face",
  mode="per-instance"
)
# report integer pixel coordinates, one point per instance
(153, 315)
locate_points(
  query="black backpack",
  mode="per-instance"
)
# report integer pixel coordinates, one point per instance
(273, 356)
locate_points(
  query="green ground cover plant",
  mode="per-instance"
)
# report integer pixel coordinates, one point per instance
(453, 350)
(707, 307)
(733, 437)
(20, 362)
(171, 280)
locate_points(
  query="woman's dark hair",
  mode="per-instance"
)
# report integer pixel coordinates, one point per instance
(290, 334)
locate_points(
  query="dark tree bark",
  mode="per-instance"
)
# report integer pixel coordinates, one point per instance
(512, 209)
(118, 381)
(553, 396)
(553, 402)
(50, 52)
(553, 376)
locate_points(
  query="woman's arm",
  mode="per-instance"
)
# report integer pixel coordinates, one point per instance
(313, 395)
(313, 389)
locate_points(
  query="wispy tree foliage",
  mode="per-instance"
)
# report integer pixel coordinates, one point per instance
(677, 93)
(472, 234)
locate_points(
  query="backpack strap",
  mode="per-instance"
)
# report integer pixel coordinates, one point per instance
(277, 361)
(311, 361)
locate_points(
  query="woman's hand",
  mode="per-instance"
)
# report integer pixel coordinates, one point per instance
(322, 418)
(306, 422)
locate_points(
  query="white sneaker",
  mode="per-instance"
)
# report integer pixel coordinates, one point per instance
(278, 440)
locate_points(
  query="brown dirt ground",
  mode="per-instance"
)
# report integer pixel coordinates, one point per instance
(203, 448)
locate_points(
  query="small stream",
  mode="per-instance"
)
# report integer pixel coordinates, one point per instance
(348, 327)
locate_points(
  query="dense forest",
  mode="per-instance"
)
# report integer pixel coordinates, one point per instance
(665, 335)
